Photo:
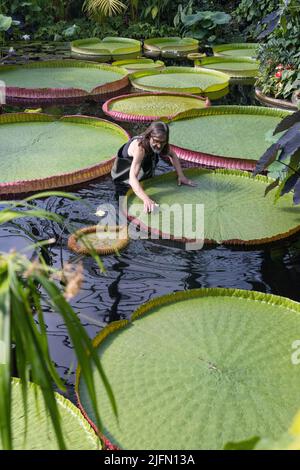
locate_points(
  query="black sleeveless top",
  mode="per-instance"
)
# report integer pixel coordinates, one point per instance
(121, 168)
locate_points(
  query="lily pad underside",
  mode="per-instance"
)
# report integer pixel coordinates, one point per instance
(109, 48)
(226, 207)
(77, 432)
(224, 136)
(38, 151)
(180, 80)
(64, 81)
(198, 369)
(147, 107)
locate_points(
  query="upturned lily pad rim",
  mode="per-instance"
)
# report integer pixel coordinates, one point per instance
(66, 404)
(221, 160)
(63, 179)
(176, 42)
(130, 117)
(239, 45)
(36, 95)
(172, 70)
(118, 245)
(233, 73)
(207, 241)
(168, 299)
(153, 64)
(132, 46)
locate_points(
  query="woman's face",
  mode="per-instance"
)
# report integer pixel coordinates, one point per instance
(157, 143)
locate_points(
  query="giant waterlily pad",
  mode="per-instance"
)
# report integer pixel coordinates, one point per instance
(181, 79)
(236, 50)
(65, 81)
(38, 151)
(236, 68)
(102, 239)
(145, 107)
(235, 209)
(170, 47)
(198, 369)
(77, 432)
(136, 65)
(109, 48)
(224, 136)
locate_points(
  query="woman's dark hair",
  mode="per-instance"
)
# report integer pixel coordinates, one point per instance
(156, 129)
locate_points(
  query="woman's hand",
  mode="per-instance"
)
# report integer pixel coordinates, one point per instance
(149, 204)
(184, 180)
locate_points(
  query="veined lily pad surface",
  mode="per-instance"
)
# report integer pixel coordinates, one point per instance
(144, 107)
(180, 79)
(65, 81)
(135, 65)
(236, 50)
(77, 432)
(235, 209)
(241, 68)
(115, 48)
(38, 151)
(224, 136)
(170, 46)
(198, 369)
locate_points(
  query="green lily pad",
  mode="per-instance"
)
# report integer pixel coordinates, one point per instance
(180, 79)
(198, 369)
(241, 68)
(77, 432)
(236, 50)
(39, 151)
(235, 209)
(170, 47)
(234, 135)
(151, 106)
(109, 48)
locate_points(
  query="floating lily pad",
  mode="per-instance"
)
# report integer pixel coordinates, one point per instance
(103, 240)
(77, 432)
(198, 369)
(109, 48)
(39, 151)
(65, 81)
(224, 136)
(181, 79)
(170, 47)
(236, 68)
(235, 209)
(135, 65)
(236, 50)
(145, 107)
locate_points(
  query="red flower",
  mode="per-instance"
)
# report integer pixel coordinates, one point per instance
(278, 74)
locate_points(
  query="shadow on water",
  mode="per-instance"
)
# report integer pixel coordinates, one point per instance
(145, 269)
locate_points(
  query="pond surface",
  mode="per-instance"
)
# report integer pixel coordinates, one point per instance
(145, 269)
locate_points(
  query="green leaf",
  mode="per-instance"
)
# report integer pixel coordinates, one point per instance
(5, 22)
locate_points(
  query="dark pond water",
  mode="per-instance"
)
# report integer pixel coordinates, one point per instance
(145, 269)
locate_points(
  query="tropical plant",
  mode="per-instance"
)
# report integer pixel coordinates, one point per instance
(103, 8)
(279, 54)
(24, 286)
(287, 165)
(200, 25)
(250, 12)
